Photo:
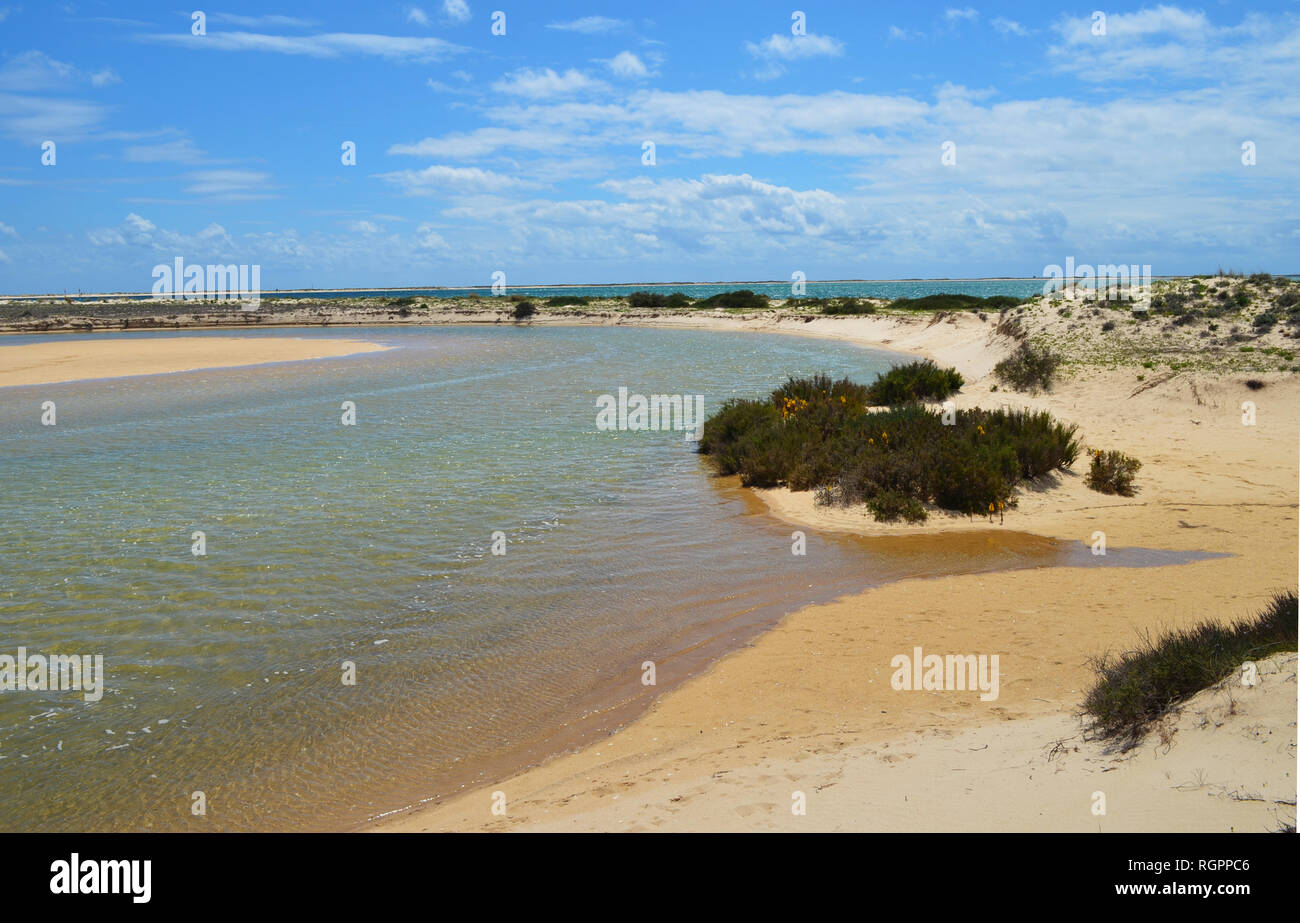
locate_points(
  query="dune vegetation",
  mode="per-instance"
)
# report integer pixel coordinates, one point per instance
(823, 435)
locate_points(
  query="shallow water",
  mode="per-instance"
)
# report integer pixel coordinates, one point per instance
(371, 544)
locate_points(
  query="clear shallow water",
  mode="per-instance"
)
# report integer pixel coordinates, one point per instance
(371, 544)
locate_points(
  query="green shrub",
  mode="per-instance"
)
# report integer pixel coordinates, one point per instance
(524, 310)
(565, 301)
(916, 381)
(847, 306)
(658, 300)
(743, 298)
(1112, 473)
(1029, 368)
(891, 506)
(817, 434)
(946, 302)
(1139, 686)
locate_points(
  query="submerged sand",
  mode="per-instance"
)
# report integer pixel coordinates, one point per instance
(74, 360)
(808, 708)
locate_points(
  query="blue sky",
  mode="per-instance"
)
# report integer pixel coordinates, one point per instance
(523, 153)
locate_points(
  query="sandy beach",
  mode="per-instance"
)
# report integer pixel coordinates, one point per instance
(808, 711)
(75, 360)
(808, 708)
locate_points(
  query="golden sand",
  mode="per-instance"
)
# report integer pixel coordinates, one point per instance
(118, 356)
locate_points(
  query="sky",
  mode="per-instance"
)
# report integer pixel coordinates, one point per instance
(632, 142)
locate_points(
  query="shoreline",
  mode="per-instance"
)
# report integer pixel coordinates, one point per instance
(690, 739)
(765, 705)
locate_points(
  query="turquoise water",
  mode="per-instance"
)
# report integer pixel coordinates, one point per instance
(372, 544)
(916, 288)
(913, 288)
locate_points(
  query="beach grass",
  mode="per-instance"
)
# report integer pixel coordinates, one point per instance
(1136, 688)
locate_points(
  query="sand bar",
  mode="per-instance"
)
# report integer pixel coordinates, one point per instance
(75, 360)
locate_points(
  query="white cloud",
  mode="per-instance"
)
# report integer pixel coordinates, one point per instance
(1009, 27)
(439, 178)
(138, 224)
(181, 150)
(416, 15)
(440, 87)
(1162, 20)
(545, 83)
(37, 119)
(429, 239)
(590, 25)
(104, 78)
(483, 142)
(964, 13)
(456, 10)
(229, 184)
(326, 45)
(1170, 42)
(626, 64)
(260, 22)
(34, 71)
(6, 229)
(792, 47)
(365, 227)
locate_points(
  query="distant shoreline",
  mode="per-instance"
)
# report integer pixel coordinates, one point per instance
(516, 287)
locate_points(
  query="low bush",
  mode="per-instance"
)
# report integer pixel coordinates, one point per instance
(1029, 368)
(916, 381)
(658, 300)
(524, 310)
(566, 301)
(818, 434)
(848, 306)
(741, 299)
(1112, 473)
(1138, 687)
(945, 302)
